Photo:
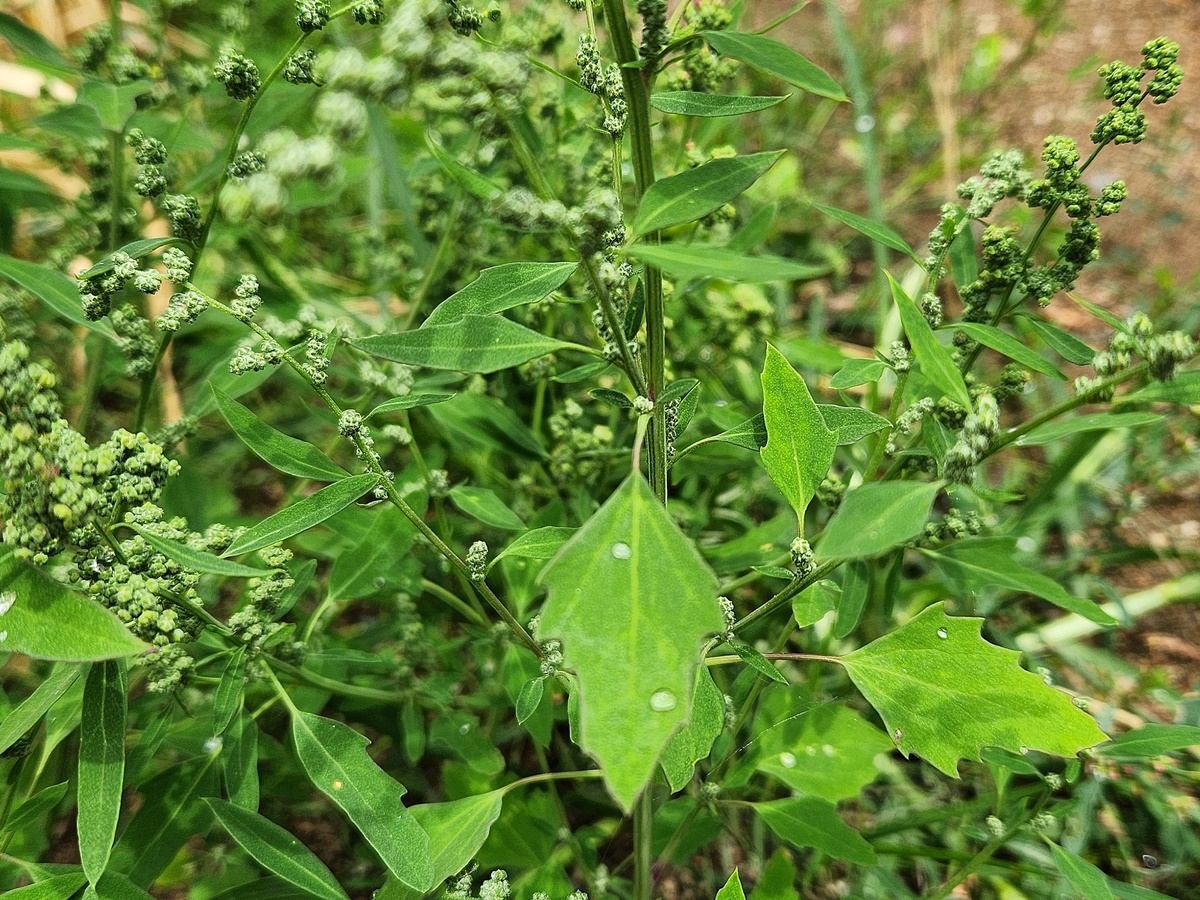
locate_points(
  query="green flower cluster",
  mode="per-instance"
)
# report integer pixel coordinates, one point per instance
(55, 484)
(312, 15)
(255, 623)
(238, 73)
(974, 441)
(655, 33)
(575, 452)
(1163, 353)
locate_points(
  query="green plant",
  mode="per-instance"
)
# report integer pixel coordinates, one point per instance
(663, 650)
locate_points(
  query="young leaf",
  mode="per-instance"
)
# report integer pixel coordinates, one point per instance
(17, 722)
(27, 814)
(101, 764)
(876, 232)
(197, 560)
(500, 288)
(1084, 877)
(856, 372)
(612, 398)
(751, 434)
(757, 662)
(410, 401)
(775, 572)
(812, 822)
(850, 423)
(856, 590)
(694, 193)
(945, 693)
(1102, 314)
(732, 889)
(41, 618)
(285, 453)
(530, 698)
(875, 517)
(54, 289)
(991, 562)
(1065, 345)
(1053, 431)
(936, 364)
(114, 103)
(813, 603)
(355, 571)
(1002, 342)
(1183, 389)
(711, 261)
(963, 266)
(540, 543)
(1151, 740)
(693, 742)
(580, 373)
(457, 830)
(799, 446)
(277, 850)
(336, 760)
(239, 761)
(135, 250)
(227, 700)
(481, 344)
(484, 505)
(697, 103)
(56, 887)
(631, 598)
(468, 179)
(303, 515)
(770, 56)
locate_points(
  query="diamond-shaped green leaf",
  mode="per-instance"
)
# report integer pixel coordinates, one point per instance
(631, 598)
(945, 693)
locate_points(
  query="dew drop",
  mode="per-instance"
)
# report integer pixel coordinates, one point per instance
(213, 744)
(1149, 861)
(337, 785)
(661, 701)
(1024, 751)
(897, 735)
(943, 633)
(379, 582)
(827, 749)
(1026, 544)
(7, 599)
(864, 123)
(810, 750)
(787, 760)
(621, 550)
(3, 635)
(464, 728)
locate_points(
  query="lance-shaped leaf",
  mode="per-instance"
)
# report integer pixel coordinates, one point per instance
(336, 760)
(712, 261)
(410, 401)
(631, 598)
(277, 850)
(935, 360)
(770, 56)
(876, 232)
(1151, 740)
(812, 822)
(875, 517)
(800, 445)
(285, 453)
(17, 722)
(694, 193)
(945, 693)
(303, 515)
(1053, 431)
(541, 543)
(483, 504)
(1003, 342)
(1065, 345)
(500, 288)
(991, 563)
(698, 103)
(54, 289)
(732, 889)
(481, 344)
(41, 618)
(1089, 881)
(851, 423)
(197, 560)
(56, 887)
(101, 764)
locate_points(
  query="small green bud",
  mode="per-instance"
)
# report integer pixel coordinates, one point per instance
(238, 73)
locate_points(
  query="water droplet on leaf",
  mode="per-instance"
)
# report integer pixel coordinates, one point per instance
(787, 760)
(864, 123)
(464, 728)
(213, 744)
(810, 750)
(897, 735)
(1024, 751)
(7, 599)
(621, 550)
(662, 701)
(827, 749)
(943, 633)
(337, 785)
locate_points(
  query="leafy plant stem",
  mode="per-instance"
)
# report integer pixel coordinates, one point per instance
(785, 595)
(643, 815)
(389, 486)
(417, 300)
(796, 657)
(454, 601)
(333, 685)
(116, 147)
(91, 387)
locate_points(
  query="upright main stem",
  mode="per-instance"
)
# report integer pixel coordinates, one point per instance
(637, 82)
